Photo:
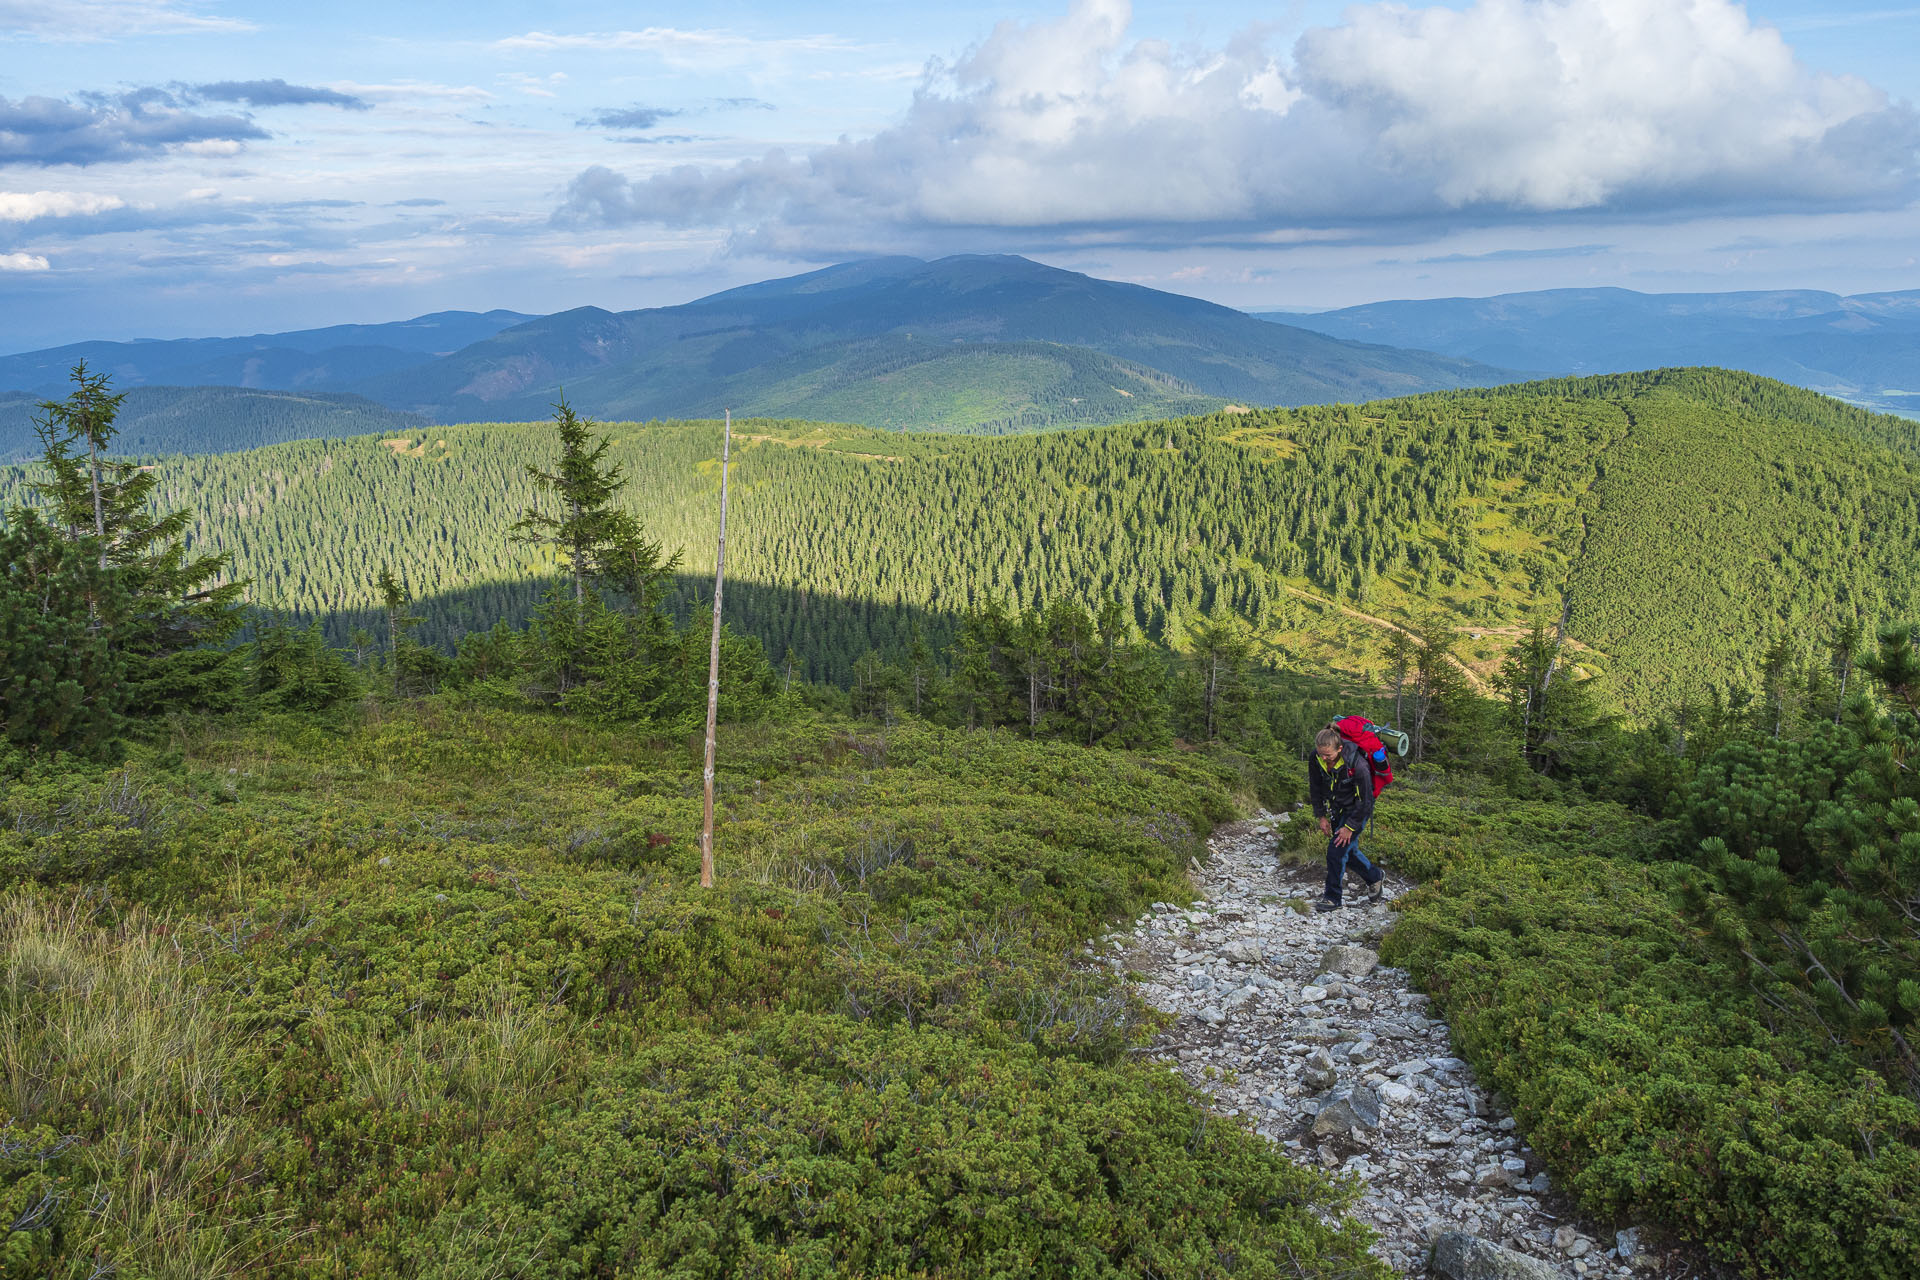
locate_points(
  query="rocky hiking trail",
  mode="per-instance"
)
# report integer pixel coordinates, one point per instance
(1287, 1019)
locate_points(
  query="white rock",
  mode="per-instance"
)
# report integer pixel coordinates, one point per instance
(1312, 994)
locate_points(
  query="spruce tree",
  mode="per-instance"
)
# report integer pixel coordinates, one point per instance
(402, 651)
(597, 540)
(60, 664)
(180, 607)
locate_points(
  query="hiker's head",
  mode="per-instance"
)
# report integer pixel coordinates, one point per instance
(1326, 744)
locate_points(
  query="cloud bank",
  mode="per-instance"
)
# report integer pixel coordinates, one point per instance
(148, 121)
(1505, 108)
(89, 21)
(28, 206)
(275, 93)
(129, 126)
(629, 117)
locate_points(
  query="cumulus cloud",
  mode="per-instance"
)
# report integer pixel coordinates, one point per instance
(98, 128)
(1507, 107)
(23, 262)
(275, 93)
(26, 206)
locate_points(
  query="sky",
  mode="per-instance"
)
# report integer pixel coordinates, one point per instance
(179, 168)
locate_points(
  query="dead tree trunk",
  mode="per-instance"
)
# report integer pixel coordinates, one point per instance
(713, 664)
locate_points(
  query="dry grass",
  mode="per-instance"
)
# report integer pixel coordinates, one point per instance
(494, 1066)
(108, 1037)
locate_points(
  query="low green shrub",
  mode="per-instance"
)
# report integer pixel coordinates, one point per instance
(823, 1147)
(1661, 1090)
(469, 1007)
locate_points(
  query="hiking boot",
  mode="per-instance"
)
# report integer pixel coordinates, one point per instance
(1376, 891)
(1327, 904)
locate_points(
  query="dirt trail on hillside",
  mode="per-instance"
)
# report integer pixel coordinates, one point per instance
(1284, 1018)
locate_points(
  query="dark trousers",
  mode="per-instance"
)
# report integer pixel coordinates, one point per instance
(1338, 855)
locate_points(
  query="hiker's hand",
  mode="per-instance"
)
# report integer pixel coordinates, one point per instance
(1344, 836)
(1326, 826)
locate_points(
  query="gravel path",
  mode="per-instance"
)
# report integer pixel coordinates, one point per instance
(1335, 1058)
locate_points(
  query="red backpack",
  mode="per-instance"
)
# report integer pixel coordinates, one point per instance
(1365, 734)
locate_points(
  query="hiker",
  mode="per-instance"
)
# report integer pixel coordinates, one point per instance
(1340, 782)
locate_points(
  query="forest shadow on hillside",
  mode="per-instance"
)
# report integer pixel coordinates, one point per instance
(827, 633)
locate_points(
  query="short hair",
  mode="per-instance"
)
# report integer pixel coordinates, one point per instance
(1327, 738)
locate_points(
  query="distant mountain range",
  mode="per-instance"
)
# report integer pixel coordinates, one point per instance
(157, 420)
(984, 344)
(330, 359)
(1864, 349)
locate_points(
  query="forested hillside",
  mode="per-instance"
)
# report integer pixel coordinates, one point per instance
(987, 388)
(370, 960)
(1697, 518)
(156, 420)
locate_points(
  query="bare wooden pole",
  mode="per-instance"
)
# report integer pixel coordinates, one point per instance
(713, 663)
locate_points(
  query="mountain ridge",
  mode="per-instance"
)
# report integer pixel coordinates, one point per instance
(1863, 348)
(727, 350)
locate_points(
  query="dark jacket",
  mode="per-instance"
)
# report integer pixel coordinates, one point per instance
(1346, 793)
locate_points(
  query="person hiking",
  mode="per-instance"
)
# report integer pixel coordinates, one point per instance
(1340, 783)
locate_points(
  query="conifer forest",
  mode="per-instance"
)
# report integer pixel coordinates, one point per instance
(351, 801)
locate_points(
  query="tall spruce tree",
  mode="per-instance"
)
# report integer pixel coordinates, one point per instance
(61, 686)
(180, 607)
(600, 543)
(576, 640)
(402, 650)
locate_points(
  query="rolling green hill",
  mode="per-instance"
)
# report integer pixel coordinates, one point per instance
(157, 420)
(1695, 516)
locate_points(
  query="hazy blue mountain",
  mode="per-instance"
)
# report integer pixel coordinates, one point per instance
(970, 343)
(722, 351)
(1865, 348)
(155, 420)
(316, 359)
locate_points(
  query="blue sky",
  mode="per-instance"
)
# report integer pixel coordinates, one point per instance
(191, 167)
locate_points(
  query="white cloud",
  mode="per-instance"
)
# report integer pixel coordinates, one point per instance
(1506, 107)
(25, 206)
(696, 47)
(22, 262)
(535, 86)
(1560, 104)
(401, 90)
(88, 21)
